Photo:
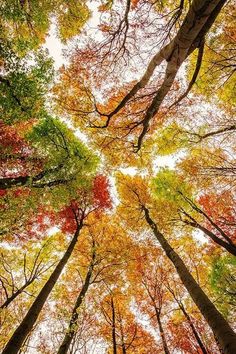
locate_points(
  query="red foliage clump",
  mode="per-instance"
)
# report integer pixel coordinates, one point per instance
(11, 142)
(2, 192)
(101, 195)
(221, 209)
(67, 217)
(24, 192)
(16, 154)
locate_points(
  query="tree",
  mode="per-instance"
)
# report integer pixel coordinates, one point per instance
(146, 85)
(64, 347)
(61, 166)
(74, 217)
(141, 101)
(189, 320)
(121, 329)
(60, 150)
(218, 324)
(26, 23)
(171, 190)
(219, 236)
(155, 286)
(24, 84)
(223, 282)
(31, 269)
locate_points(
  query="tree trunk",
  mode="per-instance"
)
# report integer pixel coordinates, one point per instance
(162, 333)
(195, 333)
(18, 337)
(64, 347)
(219, 326)
(122, 337)
(113, 327)
(123, 348)
(227, 246)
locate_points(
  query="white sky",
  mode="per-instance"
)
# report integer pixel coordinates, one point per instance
(55, 47)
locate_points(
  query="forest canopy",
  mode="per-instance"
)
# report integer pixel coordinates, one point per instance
(117, 177)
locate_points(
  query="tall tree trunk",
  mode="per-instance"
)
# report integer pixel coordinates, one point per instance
(195, 333)
(18, 337)
(113, 327)
(220, 327)
(123, 348)
(64, 347)
(122, 337)
(162, 333)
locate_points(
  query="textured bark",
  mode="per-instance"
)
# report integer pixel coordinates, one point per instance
(72, 329)
(20, 334)
(220, 327)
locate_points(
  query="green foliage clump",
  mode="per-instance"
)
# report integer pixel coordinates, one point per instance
(24, 84)
(223, 282)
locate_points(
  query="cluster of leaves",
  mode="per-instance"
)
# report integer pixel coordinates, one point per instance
(103, 247)
(26, 23)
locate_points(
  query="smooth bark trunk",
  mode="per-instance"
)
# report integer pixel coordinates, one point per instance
(123, 346)
(113, 327)
(64, 347)
(20, 334)
(220, 327)
(162, 333)
(195, 333)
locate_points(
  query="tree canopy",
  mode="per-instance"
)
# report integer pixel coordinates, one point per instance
(117, 177)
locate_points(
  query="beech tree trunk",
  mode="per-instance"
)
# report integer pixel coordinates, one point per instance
(220, 327)
(123, 346)
(195, 333)
(162, 333)
(64, 347)
(113, 327)
(20, 334)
